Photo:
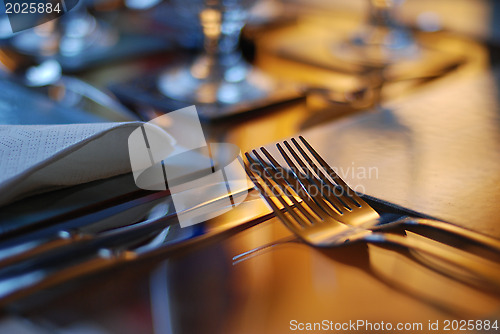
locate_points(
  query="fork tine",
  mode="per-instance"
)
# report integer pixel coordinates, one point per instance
(296, 185)
(306, 182)
(346, 189)
(331, 193)
(299, 222)
(277, 211)
(332, 188)
(286, 189)
(311, 180)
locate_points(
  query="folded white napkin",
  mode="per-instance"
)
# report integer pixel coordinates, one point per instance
(39, 158)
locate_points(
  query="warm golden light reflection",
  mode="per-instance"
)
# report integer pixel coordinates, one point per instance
(210, 20)
(6, 62)
(382, 3)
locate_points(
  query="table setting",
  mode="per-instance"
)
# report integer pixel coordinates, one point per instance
(272, 166)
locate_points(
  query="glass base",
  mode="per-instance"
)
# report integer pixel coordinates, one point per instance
(35, 43)
(237, 84)
(379, 48)
(82, 34)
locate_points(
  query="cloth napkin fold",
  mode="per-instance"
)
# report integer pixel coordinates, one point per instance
(39, 158)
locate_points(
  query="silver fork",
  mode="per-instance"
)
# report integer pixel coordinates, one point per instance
(365, 214)
(316, 220)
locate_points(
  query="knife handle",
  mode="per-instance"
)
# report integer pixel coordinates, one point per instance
(24, 251)
(16, 287)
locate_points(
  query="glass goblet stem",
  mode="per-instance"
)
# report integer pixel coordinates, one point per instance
(384, 37)
(383, 13)
(221, 32)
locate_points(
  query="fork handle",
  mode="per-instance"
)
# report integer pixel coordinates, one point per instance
(476, 237)
(485, 270)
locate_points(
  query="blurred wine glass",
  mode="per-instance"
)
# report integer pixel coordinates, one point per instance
(383, 39)
(219, 75)
(69, 36)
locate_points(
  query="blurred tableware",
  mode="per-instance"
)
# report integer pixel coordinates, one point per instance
(220, 81)
(383, 39)
(95, 32)
(157, 235)
(117, 221)
(373, 85)
(220, 74)
(141, 4)
(70, 36)
(23, 105)
(111, 250)
(68, 91)
(29, 248)
(312, 44)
